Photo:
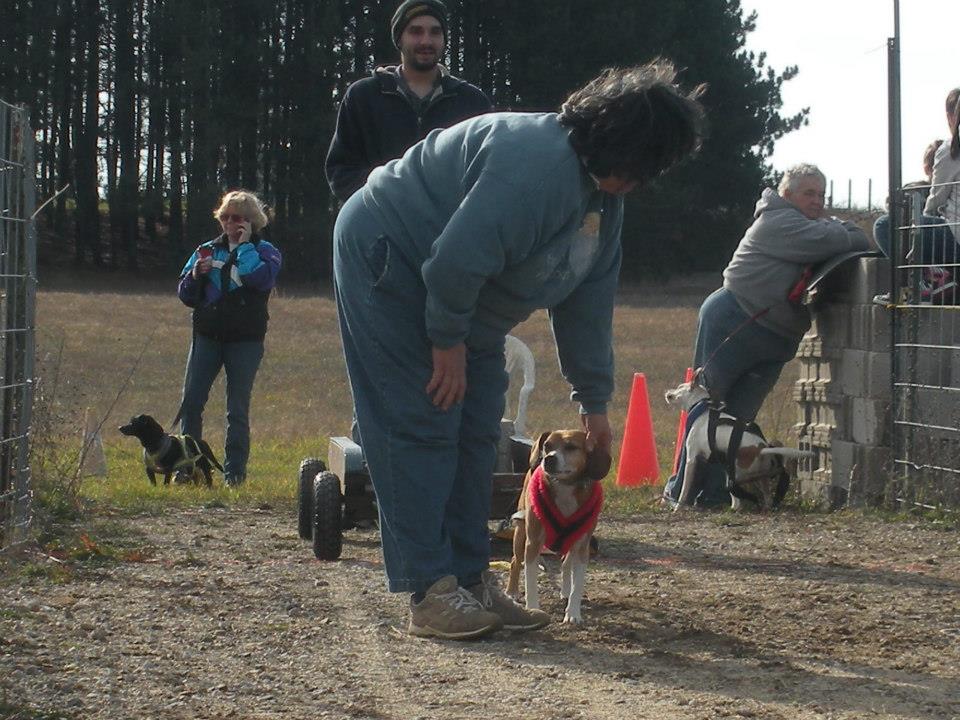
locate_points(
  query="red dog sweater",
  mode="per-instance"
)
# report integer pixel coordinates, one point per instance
(562, 530)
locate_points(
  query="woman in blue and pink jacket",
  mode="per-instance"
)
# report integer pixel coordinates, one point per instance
(227, 281)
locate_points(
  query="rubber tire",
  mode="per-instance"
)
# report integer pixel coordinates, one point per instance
(327, 512)
(309, 469)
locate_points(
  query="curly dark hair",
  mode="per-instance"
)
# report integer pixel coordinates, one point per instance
(634, 122)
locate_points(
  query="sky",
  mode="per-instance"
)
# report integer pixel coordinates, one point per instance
(840, 47)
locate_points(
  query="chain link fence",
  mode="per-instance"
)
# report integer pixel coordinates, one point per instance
(18, 281)
(926, 349)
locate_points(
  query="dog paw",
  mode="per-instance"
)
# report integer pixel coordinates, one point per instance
(572, 619)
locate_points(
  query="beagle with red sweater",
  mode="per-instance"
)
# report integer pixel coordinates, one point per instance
(558, 509)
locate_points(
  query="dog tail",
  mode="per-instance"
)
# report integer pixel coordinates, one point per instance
(176, 418)
(208, 454)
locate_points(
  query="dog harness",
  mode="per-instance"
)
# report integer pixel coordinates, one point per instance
(562, 530)
(189, 454)
(728, 456)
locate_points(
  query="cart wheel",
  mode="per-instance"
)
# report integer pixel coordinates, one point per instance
(327, 504)
(309, 469)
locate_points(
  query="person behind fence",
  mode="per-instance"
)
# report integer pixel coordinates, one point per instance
(443, 252)
(944, 197)
(383, 115)
(751, 327)
(932, 243)
(881, 227)
(227, 281)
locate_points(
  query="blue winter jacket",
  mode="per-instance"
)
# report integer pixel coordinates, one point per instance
(502, 219)
(249, 274)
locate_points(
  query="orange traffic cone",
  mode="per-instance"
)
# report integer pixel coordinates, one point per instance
(638, 454)
(680, 428)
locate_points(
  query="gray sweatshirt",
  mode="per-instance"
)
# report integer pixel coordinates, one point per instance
(772, 255)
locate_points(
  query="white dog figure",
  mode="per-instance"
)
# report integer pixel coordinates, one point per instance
(760, 473)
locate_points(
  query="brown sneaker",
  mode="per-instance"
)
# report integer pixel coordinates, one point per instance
(514, 615)
(448, 611)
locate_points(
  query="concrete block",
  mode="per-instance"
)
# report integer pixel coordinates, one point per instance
(856, 282)
(869, 421)
(880, 379)
(823, 494)
(808, 368)
(863, 373)
(870, 328)
(872, 476)
(810, 347)
(830, 322)
(825, 390)
(843, 459)
(800, 391)
(825, 369)
(812, 441)
(853, 473)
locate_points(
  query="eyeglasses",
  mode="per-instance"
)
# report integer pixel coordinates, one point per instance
(232, 217)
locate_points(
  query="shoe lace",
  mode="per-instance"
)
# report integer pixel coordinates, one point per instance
(492, 590)
(460, 599)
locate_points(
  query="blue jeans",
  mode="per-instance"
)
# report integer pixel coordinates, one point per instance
(240, 360)
(741, 373)
(746, 368)
(936, 242)
(432, 470)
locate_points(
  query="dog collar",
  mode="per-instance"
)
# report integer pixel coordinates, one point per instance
(562, 531)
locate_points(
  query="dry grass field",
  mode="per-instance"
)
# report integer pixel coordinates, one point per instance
(118, 347)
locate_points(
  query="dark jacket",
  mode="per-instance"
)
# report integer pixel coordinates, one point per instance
(249, 273)
(378, 121)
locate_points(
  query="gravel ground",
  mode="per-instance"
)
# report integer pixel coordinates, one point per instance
(224, 613)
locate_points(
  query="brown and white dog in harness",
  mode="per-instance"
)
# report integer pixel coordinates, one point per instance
(756, 469)
(558, 509)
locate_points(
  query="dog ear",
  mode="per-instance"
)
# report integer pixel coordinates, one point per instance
(598, 464)
(747, 455)
(536, 452)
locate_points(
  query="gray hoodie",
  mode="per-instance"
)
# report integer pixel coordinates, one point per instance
(772, 255)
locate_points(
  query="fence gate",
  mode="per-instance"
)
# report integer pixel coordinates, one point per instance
(926, 353)
(18, 279)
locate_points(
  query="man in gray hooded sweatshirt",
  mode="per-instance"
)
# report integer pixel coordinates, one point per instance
(789, 234)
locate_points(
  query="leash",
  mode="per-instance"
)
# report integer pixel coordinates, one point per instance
(728, 338)
(793, 297)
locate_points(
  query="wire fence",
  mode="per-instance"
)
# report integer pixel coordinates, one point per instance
(18, 281)
(926, 349)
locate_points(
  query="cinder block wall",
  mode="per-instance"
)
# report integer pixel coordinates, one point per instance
(843, 394)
